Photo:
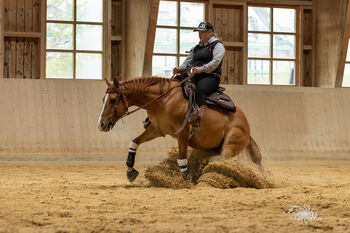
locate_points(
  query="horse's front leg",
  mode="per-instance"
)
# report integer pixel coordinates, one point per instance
(150, 133)
(182, 140)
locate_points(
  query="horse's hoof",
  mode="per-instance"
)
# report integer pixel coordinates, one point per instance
(185, 175)
(132, 175)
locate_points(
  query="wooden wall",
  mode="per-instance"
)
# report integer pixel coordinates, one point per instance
(229, 23)
(21, 25)
(330, 21)
(22, 38)
(56, 119)
(116, 39)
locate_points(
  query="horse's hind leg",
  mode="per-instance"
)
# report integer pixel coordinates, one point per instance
(150, 133)
(234, 143)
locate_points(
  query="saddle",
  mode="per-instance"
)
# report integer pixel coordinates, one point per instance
(216, 99)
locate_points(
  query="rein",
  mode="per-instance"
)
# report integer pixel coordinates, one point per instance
(158, 98)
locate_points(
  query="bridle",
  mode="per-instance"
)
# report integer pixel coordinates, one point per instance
(116, 104)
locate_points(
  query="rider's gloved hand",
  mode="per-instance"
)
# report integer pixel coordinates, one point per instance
(195, 70)
(176, 70)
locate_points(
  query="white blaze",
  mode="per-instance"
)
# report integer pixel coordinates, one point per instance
(103, 108)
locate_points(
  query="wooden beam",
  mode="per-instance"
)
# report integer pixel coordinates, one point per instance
(307, 47)
(343, 49)
(23, 34)
(153, 16)
(233, 44)
(116, 38)
(280, 2)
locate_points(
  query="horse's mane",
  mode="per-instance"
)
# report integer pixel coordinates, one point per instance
(141, 84)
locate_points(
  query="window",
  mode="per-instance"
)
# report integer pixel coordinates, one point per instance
(346, 77)
(74, 39)
(174, 34)
(271, 45)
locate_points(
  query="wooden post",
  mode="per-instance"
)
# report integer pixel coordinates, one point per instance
(107, 28)
(2, 44)
(245, 45)
(147, 64)
(42, 39)
(123, 40)
(343, 49)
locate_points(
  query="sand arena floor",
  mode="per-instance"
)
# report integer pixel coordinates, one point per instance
(96, 197)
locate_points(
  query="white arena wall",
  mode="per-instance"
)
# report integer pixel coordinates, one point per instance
(56, 120)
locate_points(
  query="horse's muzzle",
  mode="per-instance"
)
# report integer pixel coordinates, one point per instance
(105, 126)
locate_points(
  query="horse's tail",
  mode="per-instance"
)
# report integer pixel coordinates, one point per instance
(254, 152)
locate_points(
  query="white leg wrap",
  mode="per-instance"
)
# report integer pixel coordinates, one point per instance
(133, 145)
(182, 162)
(183, 169)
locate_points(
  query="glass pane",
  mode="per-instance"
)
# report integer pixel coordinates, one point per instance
(59, 36)
(89, 10)
(188, 39)
(258, 45)
(259, 19)
(163, 65)
(283, 20)
(283, 73)
(258, 72)
(167, 13)
(89, 37)
(89, 66)
(59, 65)
(346, 77)
(283, 46)
(182, 59)
(165, 41)
(60, 10)
(191, 14)
(348, 54)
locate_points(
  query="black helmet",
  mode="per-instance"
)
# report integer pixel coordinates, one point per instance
(204, 26)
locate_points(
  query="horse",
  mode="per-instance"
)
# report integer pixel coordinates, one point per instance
(166, 106)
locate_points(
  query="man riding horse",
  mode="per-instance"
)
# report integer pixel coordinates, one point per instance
(205, 59)
(223, 129)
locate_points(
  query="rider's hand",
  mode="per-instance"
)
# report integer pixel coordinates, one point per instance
(195, 70)
(175, 70)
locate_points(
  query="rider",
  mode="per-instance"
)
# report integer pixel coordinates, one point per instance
(205, 59)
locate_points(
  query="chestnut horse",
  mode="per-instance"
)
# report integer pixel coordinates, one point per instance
(227, 131)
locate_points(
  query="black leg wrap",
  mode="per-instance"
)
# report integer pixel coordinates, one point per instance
(131, 158)
(183, 168)
(132, 175)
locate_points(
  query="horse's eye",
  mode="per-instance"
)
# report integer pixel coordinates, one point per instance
(112, 101)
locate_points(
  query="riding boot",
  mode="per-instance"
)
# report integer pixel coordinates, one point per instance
(197, 115)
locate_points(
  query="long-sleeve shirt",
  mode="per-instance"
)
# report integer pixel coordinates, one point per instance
(218, 54)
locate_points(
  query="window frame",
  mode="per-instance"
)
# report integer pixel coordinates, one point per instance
(178, 28)
(271, 33)
(74, 51)
(347, 62)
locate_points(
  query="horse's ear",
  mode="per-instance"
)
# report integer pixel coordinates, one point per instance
(116, 82)
(108, 82)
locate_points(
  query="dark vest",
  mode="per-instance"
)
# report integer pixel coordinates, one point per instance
(204, 54)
